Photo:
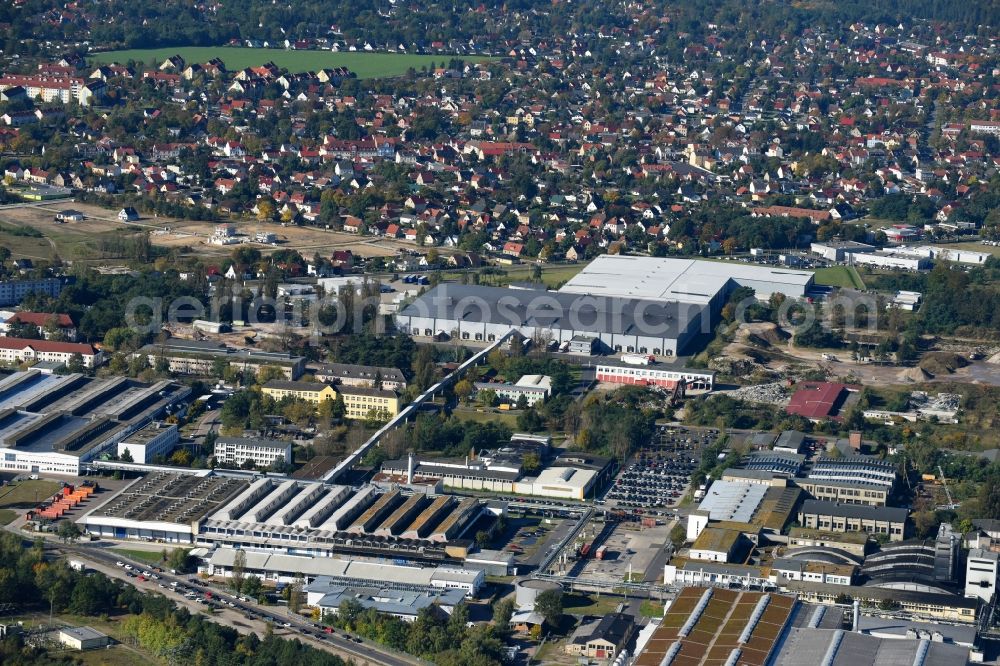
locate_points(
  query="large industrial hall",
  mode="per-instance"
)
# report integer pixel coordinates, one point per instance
(629, 304)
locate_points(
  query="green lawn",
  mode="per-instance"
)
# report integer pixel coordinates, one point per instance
(650, 608)
(839, 276)
(26, 246)
(7, 516)
(584, 604)
(365, 65)
(70, 242)
(150, 556)
(116, 655)
(976, 247)
(486, 416)
(553, 276)
(27, 494)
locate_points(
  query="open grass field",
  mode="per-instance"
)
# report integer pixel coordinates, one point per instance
(7, 516)
(839, 276)
(650, 608)
(25, 246)
(977, 247)
(365, 65)
(486, 416)
(81, 241)
(27, 494)
(150, 556)
(590, 604)
(73, 241)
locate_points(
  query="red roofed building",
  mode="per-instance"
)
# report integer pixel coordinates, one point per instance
(42, 320)
(817, 401)
(19, 350)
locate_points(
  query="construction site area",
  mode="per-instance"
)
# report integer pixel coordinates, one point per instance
(81, 240)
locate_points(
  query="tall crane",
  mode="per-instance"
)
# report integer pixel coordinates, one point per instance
(944, 482)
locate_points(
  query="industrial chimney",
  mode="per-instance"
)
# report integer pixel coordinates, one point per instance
(855, 627)
(409, 469)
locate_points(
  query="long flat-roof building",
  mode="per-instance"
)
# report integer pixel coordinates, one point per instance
(236, 451)
(662, 375)
(199, 357)
(284, 567)
(13, 292)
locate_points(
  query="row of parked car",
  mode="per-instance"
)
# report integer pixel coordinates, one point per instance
(660, 473)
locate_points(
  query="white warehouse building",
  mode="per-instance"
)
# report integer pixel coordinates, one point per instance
(236, 451)
(153, 440)
(885, 259)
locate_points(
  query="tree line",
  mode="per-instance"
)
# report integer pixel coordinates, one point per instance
(33, 581)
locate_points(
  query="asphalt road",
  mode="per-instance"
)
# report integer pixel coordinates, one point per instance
(234, 612)
(552, 540)
(208, 423)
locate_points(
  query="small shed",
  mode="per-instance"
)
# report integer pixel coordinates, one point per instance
(82, 638)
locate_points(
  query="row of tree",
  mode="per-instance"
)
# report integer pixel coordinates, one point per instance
(31, 580)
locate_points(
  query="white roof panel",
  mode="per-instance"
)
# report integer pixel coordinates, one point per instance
(733, 500)
(683, 280)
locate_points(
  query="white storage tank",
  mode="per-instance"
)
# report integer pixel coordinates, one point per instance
(528, 590)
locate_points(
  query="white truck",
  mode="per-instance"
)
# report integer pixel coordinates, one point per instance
(638, 359)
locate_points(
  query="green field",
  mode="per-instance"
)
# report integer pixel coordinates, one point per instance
(977, 247)
(27, 494)
(486, 416)
(650, 608)
(150, 556)
(590, 604)
(365, 65)
(839, 276)
(25, 246)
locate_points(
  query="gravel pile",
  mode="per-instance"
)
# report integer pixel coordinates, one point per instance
(772, 394)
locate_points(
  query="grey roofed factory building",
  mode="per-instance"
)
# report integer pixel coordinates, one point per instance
(283, 567)
(327, 595)
(630, 304)
(836, 517)
(471, 312)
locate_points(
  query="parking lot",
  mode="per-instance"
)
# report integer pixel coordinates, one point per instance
(659, 474)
